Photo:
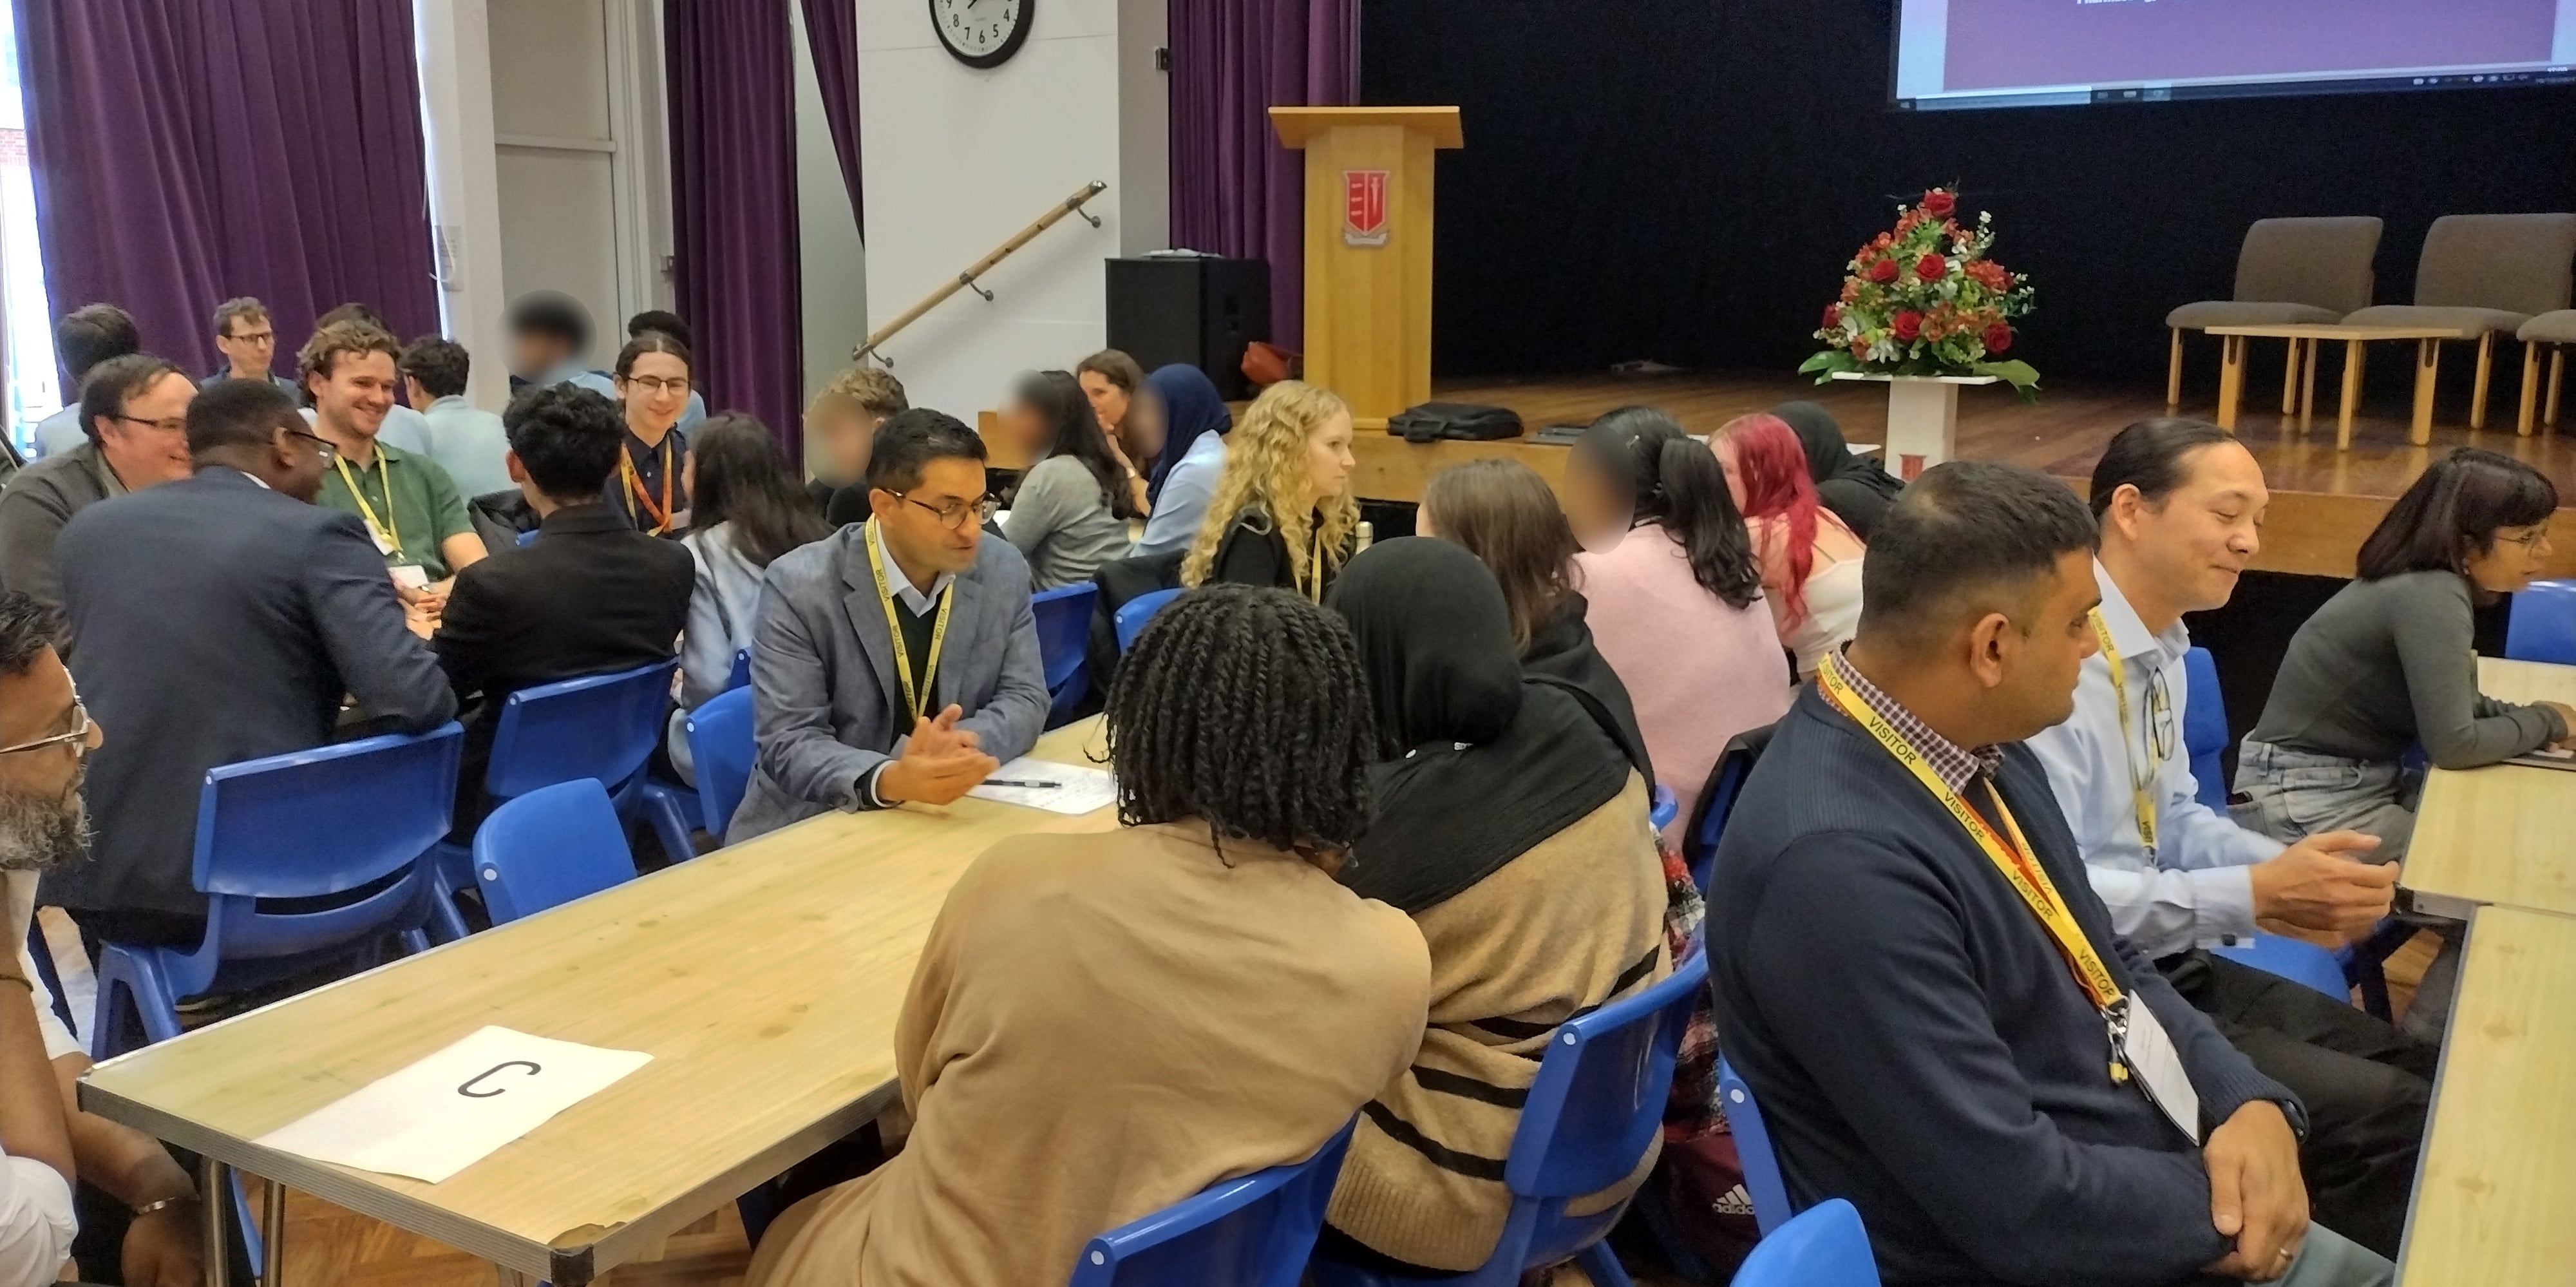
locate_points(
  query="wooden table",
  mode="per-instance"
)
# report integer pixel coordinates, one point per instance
(2505, 834)
(2428, 359)
(2495, 1194)
(1387, 468)
(764, 979)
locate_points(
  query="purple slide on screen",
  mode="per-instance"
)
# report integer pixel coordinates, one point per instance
(2007, 44)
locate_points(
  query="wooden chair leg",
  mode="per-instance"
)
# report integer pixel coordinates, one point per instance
(2352, 355)
(2478, 390)
(2173, 374)
(2530, 400)
(2428, 372)
(2557, 380)
(2290, 381)
(2308, 386)
(2231, 379)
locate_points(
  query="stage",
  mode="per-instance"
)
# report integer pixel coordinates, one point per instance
(2323, 501)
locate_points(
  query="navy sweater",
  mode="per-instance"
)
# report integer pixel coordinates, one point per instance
(1918, 1045)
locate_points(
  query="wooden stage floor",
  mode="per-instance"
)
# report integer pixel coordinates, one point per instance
(2324, 501)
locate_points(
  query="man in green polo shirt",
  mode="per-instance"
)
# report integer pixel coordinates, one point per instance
(407, 501)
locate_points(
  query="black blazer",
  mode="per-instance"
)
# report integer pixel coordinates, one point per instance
(219, 622)
(1252, 552)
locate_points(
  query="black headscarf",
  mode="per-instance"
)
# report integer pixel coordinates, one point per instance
(1191, 407)
(1856, 488)
(1482, 763)
(1561, 648)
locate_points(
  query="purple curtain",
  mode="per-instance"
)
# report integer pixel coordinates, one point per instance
(832, 32)
(1235, 191)
(188, 153)
(733, 184)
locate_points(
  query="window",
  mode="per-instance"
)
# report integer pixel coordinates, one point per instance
(26, 323)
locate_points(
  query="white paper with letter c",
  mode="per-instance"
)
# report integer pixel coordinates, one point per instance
(454, 1108)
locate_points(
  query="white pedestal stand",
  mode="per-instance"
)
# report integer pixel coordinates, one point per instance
(1922, 418)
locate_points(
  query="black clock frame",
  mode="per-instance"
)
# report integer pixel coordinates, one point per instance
(1010, 44)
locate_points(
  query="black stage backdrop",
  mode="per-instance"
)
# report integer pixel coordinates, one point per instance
(1684, 182)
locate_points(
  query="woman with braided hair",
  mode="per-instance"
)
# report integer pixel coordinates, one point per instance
(1217, 1001)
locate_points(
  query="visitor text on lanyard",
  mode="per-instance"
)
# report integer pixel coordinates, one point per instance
(916, 697)
(2141, 791)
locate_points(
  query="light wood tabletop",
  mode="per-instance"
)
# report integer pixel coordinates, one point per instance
(764, 979)
(2501, 834)
(2497, 1183)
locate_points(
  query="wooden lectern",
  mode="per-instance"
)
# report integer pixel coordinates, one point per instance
(1368, 249)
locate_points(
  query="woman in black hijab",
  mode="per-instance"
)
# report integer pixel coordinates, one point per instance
(1854, 487)
(1511, 823)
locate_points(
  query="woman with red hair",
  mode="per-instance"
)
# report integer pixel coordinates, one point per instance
(1810, 559)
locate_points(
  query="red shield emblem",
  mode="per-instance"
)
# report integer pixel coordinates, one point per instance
(1364, 207)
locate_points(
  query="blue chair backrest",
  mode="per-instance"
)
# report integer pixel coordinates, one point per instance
(1133, 614)
(1064, 626)
(597, 726)
(309, 824)
(741, 673)
(720, 748)
(2292, 959)
(528, 537)
(2204, 727)
(2542, 626)
(1725, 783)
(1664, 809)
(1753, 1151)
(1250, 1232)
(1826, 1246)
(549, 847)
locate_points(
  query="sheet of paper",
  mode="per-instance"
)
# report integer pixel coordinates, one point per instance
(454, 1108)
(1077, 789)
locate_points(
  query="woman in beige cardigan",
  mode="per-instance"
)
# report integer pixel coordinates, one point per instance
(1104, 1024)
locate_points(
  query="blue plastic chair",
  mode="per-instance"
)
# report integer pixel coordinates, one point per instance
(2542, 625)
(1255, 1231)
(1064, 629)
(1665, 808)
(1826, 1246)
(1133, 614)
(741, 674)
(720, 749)
(1725, 783)
(678, 811)
(528, 537)
(303, 825)
(549, 847)
(1597, 1102)
(1762, 1179)
(2204, 728)
(2292, 959)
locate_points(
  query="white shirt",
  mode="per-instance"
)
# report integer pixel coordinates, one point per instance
(36, 1222)
(2195, 891)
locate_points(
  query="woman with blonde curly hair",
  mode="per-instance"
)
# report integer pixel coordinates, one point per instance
(1283, 515)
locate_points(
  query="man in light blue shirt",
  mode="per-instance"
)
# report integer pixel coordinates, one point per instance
(2181, 504)
(549, 334)
(1182, 507)
(85, 337)
(468, 441)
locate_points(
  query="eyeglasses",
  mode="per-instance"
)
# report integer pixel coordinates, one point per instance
(657, 386)
(2531, 540)
(954, 514)
(254, 337)
(79, 736)
(320, 443)
(175, 424)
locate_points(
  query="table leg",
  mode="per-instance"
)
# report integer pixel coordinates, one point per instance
(2557, 379)
(2428, 369)
(2231, 379)
(214, 1184)
(2478, 390)
(2308, 386)
(273, 1233)
(2522, 420)
(2173, 373)
(2352, 353)
(2290, 380)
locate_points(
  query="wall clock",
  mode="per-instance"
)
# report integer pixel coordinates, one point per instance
(981, 33)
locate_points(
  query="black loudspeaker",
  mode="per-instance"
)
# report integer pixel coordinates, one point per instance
(1194, 309)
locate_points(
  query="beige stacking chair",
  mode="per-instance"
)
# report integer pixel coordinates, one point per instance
(2486, 274)
(2289, 272)
(2553, 331)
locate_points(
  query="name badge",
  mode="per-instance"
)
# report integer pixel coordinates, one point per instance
(383, 544)
(410, 576)
(2156, 1066)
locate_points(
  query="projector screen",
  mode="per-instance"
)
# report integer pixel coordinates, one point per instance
(2016, 53)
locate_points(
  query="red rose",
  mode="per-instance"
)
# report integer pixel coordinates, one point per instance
(1938, 203)
(1931, 268)
(1833, 316)
(1998, 338)
(1907, 325)
(1883, 272)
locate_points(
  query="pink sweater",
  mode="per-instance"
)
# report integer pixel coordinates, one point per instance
(1699, 671)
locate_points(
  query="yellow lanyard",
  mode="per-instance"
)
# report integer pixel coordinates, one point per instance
(913, 698)
(2011, 858)
(1313, 582)
(2140, 797)
(385, 531)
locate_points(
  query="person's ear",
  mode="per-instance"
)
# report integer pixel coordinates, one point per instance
(882, 503)
(510, 461)
(1993, 642)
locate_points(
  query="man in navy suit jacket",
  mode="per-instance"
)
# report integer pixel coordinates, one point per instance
(224, 616)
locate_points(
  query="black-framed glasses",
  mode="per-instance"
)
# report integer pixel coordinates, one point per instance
(320, 443)
(657, 385)
(254, 337)
(175, 424)
(78, 736)
(954, 514)
(2161, 726)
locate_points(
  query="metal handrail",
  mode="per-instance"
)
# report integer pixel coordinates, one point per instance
(966, 280)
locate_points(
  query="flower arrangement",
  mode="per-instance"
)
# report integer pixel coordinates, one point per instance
(1924, 300)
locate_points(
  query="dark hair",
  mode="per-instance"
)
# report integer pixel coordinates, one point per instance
(663, 321)
(651, 342)
(567, 438)
(321, 354)
(1676, 484)
(2149, 456)
(354, 312)
(238, 413)
(1115, 367)
(2453, 510)
(1075, 431)
(27, 627)
(1503, 513)
(240, 308)
(93, 333)
(114, 382)
(1245, 707)
(909, 440)
(743, 479)
(441, 365)
(551, 313)
(1966, 533)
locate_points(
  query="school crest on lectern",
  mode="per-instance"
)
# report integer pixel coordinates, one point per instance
(1364, 207)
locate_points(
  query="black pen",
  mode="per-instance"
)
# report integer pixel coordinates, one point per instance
(1015, 782)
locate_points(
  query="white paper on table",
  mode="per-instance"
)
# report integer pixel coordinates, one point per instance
(453, 1108)
(1079, 790)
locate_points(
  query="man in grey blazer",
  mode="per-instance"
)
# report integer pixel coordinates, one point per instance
(896, 659)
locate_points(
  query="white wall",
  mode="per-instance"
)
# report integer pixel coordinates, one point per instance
(957, 159)
(834, 265)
